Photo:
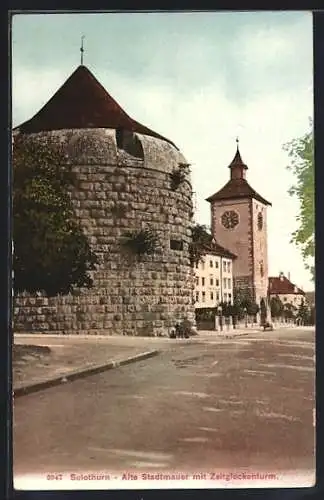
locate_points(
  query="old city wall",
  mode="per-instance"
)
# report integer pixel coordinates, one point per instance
(116, 192)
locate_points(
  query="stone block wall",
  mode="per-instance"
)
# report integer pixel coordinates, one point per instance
(115, 192)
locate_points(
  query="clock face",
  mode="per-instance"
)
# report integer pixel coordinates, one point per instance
(260, 221)
(230, 219)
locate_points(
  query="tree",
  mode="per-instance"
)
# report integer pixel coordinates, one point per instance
(289, 311)
(51, 252)
(200, 239)
(276, 307)
(243, 302)
(303, 312)
(301, 153)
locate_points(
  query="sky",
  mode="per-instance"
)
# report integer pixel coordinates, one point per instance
(199, 78)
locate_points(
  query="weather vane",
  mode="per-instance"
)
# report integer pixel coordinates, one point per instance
(82, 49)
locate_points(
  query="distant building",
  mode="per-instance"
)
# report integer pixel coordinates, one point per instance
(214, 277)
(288, 292)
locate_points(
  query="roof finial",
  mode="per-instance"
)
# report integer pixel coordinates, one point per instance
(237, 142)
(82, 49)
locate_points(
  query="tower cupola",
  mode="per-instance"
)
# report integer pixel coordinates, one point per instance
(238, 168)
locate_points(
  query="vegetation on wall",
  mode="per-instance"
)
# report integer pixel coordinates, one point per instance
(178, 175)
(301, 153)
(51, 252)
(142, 242)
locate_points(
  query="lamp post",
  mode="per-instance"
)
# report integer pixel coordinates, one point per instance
(245, 314)
(220, 310)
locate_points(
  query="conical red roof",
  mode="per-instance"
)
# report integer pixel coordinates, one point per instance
(82, 102)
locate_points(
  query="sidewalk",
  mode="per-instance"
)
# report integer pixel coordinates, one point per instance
(39, 359)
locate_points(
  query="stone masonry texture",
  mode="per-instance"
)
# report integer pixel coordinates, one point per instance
(116, 192)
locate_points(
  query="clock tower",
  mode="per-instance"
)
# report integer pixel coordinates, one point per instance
(239, 223)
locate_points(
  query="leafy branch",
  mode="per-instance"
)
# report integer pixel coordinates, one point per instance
(143, 242)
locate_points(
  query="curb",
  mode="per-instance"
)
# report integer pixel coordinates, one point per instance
(81, 373)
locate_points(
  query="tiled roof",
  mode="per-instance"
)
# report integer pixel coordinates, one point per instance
(215, 248)
(237, 188)
(282, 285)
(82, 102)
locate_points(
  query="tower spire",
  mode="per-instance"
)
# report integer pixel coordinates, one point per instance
(238, 168)
(82, 49)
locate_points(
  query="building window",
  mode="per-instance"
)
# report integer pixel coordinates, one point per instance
(260, 221)
(203, 265)
(202, 281)
(225, 297)
(216, 264)
(211, 295)
(229, 297)
(224, 266)
(203, 296)
(210, 263)
(229, 283)
(217, 282)
(224, 282)
(197, 265)
(197, 280)
(176, 245)
(217, 296)
(197, 296)
(229, 267)
(211, 281)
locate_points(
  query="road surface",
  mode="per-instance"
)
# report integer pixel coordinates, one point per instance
(245, 402)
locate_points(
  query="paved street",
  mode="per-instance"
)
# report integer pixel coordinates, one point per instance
(228, 403)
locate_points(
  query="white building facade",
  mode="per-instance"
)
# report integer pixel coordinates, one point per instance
(214, 278)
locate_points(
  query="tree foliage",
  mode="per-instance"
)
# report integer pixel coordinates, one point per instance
(303, 312)
(289, 311)
(243, 303)
(276, 307)
(301, 154)
(51, 252)
(200, 239)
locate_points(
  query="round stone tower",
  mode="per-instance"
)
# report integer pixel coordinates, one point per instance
(128, 179)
